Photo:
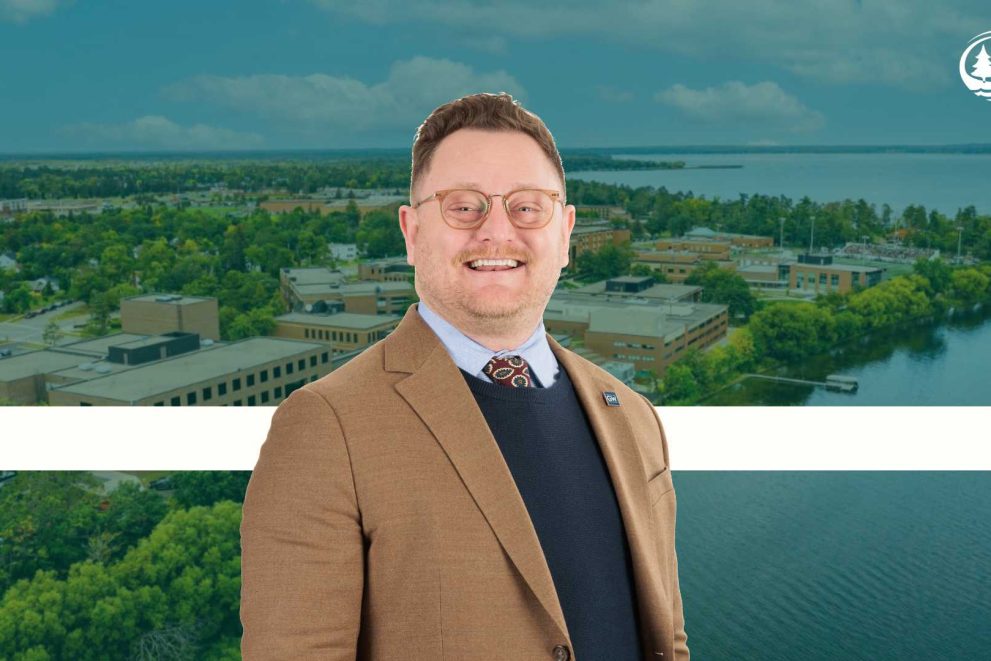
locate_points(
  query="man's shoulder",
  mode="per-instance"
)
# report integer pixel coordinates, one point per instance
(362, 376)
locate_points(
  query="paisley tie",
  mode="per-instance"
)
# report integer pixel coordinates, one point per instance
(511, 371)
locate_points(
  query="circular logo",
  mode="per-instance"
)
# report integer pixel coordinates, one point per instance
(975, 65)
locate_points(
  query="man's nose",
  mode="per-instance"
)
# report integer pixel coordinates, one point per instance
(497, 225)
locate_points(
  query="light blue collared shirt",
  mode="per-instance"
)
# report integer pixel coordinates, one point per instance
(471, 356)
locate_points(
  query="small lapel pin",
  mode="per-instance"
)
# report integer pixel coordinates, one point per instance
(611, 398)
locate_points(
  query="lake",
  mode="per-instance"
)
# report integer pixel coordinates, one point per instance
(932, 364)
(945, 182)
(778, 566)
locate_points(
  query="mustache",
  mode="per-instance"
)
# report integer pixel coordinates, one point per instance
(469, 256)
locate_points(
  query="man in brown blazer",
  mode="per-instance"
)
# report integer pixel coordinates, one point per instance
(466, 488)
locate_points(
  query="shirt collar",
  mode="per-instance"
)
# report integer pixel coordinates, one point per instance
(471, 356)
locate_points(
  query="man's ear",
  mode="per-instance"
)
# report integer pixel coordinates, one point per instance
(569, 225)
(408, 223)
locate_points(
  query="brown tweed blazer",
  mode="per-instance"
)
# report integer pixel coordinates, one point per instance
(382, 522)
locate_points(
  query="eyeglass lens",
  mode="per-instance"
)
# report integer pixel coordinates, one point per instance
(527, 208)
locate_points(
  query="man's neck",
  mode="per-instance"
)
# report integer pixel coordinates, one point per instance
(510, 334)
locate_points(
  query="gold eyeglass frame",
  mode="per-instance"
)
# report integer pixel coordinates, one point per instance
(439, 196)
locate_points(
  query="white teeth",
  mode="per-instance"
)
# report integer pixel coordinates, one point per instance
(493, 262)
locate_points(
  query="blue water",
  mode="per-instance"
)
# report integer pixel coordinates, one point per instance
(938, 364)
(785, 566)
(945, 182)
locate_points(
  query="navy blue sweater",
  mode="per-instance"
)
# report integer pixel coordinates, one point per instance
(552, 452)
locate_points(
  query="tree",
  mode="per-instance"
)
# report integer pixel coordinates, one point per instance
(679, 383)
(982, 66)
(725, 287)
(52, 333)
(937, 272)
(176, 593)
(969, 286)
(607, 262)
(379, 235)
(130, 514)
(791, 331)
(18, 299)
(208, 487)
(46, 519)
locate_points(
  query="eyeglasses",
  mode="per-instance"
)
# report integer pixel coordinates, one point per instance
(465, 209)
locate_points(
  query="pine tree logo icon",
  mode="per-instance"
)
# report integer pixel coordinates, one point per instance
(975, 65)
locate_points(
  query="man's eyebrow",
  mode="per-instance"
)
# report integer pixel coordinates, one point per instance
(476, 186)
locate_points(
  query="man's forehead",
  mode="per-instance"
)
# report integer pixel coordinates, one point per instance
(474, 185)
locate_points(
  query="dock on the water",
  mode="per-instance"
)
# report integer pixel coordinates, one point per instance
(838, 382)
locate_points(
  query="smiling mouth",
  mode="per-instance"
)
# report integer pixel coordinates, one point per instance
(494, 264)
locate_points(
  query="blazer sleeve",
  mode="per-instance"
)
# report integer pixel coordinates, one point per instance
(302, 548)
(681, 652)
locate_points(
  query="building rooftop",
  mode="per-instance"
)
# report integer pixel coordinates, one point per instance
(661, 291)
(757, 268)
(173, 299)
(705, 232)
(340, 320)
(189, 369)
(354, 288)
(648, 319)
(590, 228)
(837, 267)
(98, 347)
(36, 362)
(312, 276)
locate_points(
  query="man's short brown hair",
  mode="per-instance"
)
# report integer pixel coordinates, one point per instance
(492, 112)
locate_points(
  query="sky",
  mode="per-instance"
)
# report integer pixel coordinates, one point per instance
(119, 75)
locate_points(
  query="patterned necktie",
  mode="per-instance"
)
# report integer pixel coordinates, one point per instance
(511, 371)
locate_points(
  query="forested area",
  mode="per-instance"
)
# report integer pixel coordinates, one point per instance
(133, 574)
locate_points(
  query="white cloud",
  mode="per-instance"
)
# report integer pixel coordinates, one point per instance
(887, 42)
(157, 132)
(410, 91)
(19, 11)
(761, 103)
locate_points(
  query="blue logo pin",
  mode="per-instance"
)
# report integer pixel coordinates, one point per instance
(611, 398)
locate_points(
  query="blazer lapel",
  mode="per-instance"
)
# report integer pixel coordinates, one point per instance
(438, 394)
(619, 447)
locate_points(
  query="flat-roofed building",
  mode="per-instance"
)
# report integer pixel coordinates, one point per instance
(764, 276)
(253, 371)
(738, 240)
(387, 297)
(817, 273)
(343, 251)
(393, 269)
(638, 287)
(648, 335)
(344, 331)
(302, 286)
(676, 265)
(23, 377)
(592, 236)
(152, 314)
(707, 248)
(26, 378)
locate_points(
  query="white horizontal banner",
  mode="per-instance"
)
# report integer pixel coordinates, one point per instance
(699, 438)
